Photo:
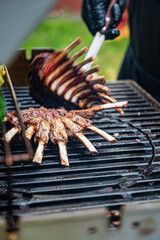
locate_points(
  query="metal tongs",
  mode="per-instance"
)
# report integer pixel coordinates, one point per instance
(99, 38)
(9, 159)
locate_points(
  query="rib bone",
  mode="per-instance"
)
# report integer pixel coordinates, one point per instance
(58, 124)
(39, 153)
(10, 134)
(112, 100)
(100, 80)
(29, 132)
(89, 113)
(86, 142)
(90, 71)
(101, 88)
(76, 131)
(65, 51)
(63, 153)
(78, 54)
(103, 134)
(109, 106)
(72, 45)
(63, 66)
(84, 62)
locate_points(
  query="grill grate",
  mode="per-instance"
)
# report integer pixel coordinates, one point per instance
(115, 177)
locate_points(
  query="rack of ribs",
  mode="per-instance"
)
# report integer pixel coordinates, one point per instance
(57, 125)
(60, 76)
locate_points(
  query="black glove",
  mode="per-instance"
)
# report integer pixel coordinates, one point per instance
(94, 13)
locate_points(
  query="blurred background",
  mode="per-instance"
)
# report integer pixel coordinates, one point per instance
(63, 24)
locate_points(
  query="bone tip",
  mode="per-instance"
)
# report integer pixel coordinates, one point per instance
(94, 153)
(78, 40)
(103, 80)
(97, 68)
(90, 59)
(126, 104)
(37, 161)
(114, 141)
(64, 164)
(122, 113)
(28, 137)
(7, 139)
(85, 49)
(109, 92)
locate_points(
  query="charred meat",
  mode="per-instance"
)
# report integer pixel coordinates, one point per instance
(57, 125)
(60, 77)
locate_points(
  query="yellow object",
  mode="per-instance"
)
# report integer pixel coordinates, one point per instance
(12, 235)
(2, 73)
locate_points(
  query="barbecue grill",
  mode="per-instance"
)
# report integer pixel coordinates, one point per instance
(113, 194)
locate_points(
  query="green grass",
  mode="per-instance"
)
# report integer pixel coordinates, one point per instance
(58, 32)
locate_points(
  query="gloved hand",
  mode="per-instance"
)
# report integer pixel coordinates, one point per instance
(94, 13)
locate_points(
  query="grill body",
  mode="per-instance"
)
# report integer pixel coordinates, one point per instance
(124, 177)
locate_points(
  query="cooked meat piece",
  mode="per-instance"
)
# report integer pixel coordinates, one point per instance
(58, 131)
(42, 136)
(58, 78)
(58, 124)
(59, 135)
(43, 131)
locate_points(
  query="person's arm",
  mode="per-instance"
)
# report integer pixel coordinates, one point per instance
(94, 13)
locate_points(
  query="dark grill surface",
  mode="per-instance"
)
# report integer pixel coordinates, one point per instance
(122, 173)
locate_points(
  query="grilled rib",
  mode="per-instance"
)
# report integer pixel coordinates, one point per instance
(58, 74)
(42, 136)
(57, 125)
